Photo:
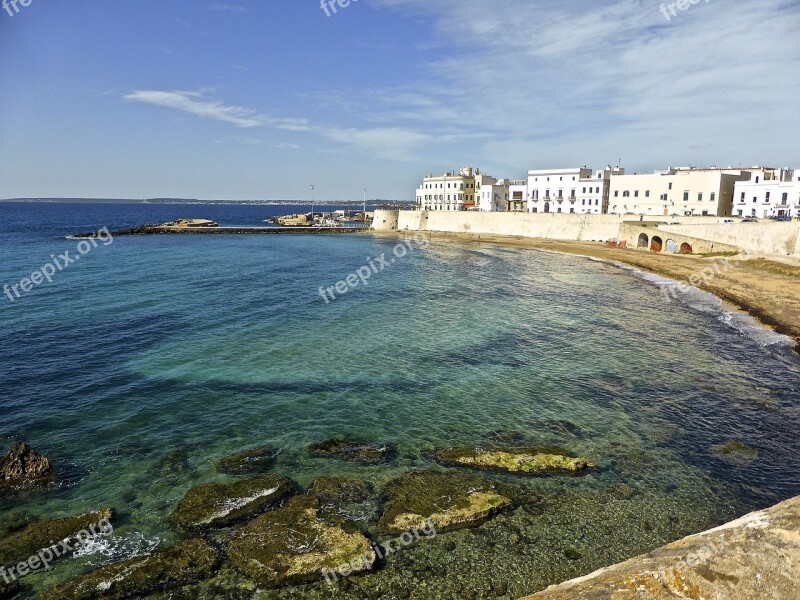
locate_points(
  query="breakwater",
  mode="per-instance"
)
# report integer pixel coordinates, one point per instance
(162, 230)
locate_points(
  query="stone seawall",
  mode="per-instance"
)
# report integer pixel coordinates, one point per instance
(756, 557)
(703, 232)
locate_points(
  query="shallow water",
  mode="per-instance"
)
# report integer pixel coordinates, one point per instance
(140, 367)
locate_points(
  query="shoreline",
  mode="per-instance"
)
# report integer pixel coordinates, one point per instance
(765, 289)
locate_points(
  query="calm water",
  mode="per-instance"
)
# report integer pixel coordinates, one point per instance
(144, 363)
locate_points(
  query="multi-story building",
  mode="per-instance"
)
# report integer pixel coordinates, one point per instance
(491, 194)
(451, 191)
(577, 190)
(685, 191)
(768, 193)
(518, 196)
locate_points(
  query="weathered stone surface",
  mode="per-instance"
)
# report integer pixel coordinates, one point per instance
(735, 453)
(250, 462)
(22, 544)
(213, 505)
(446, 500)
(532, 461)
(23, 463)
(756, 557)
(295, 544)
(369, 453)
(179, 565)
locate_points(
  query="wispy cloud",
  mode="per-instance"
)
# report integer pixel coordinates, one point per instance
(197, 104)
(576, 82)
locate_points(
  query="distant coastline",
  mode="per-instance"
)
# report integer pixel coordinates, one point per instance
(169, 201)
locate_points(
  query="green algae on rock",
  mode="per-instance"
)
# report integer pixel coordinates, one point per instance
(735, 453)
(531, 461)
(179, 565)
(22, 544)
(444, 500)
(213, 505)
(296, 544)
(250, 462)
(369, 453)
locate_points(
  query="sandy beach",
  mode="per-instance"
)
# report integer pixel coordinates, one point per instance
(766, 289)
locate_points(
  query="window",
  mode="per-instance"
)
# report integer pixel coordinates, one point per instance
(636, 194)
(785, 198)
(647, 193)
(670, 185)
(713, 196)
(616, 193)
(767, 197)
(700, 196)
(758, 179)
(685, 196)
(755, 199)
(743, 193)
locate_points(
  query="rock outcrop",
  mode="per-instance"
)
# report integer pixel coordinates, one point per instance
(23, 463)
(367, 453)
(22, 544)
(445, 500)
(250, 462)
(214, 505)
(531, 461)
(755, 557)
(141, 576)
(296, 544)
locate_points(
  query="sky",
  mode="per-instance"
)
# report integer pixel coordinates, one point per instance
(260, 99)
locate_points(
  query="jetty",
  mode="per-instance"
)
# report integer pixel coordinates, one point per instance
(206, 227)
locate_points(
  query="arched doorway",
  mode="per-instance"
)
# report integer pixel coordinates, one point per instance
(672, 246)
(644, 241)
(686, 248)
(656, 244)
(547, 207)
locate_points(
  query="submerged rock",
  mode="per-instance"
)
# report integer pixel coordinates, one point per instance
(505, 436)
(532, 461)
(559, 426)
(212, 505)
(735, 453)
(352, 499)
(249, 462)
(23, 463)
(341, 490)
(444, 500)
(29, 540)
(296, 544)
(179, 565)
(355, 450)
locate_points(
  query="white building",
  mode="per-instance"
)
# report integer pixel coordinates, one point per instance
(685, 191)
(491, 194)
(768, 193)
(577, 190)
(451, 191)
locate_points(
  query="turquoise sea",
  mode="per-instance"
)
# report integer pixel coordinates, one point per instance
(149, 359)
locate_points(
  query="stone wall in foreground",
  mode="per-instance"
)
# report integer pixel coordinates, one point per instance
(754, 558)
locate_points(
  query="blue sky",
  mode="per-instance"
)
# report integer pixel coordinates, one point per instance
(260, 99)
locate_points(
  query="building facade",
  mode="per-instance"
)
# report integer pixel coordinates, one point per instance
(491, 194)
(577, 190)
(451, 191)
(676, 192)
(769, 193)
